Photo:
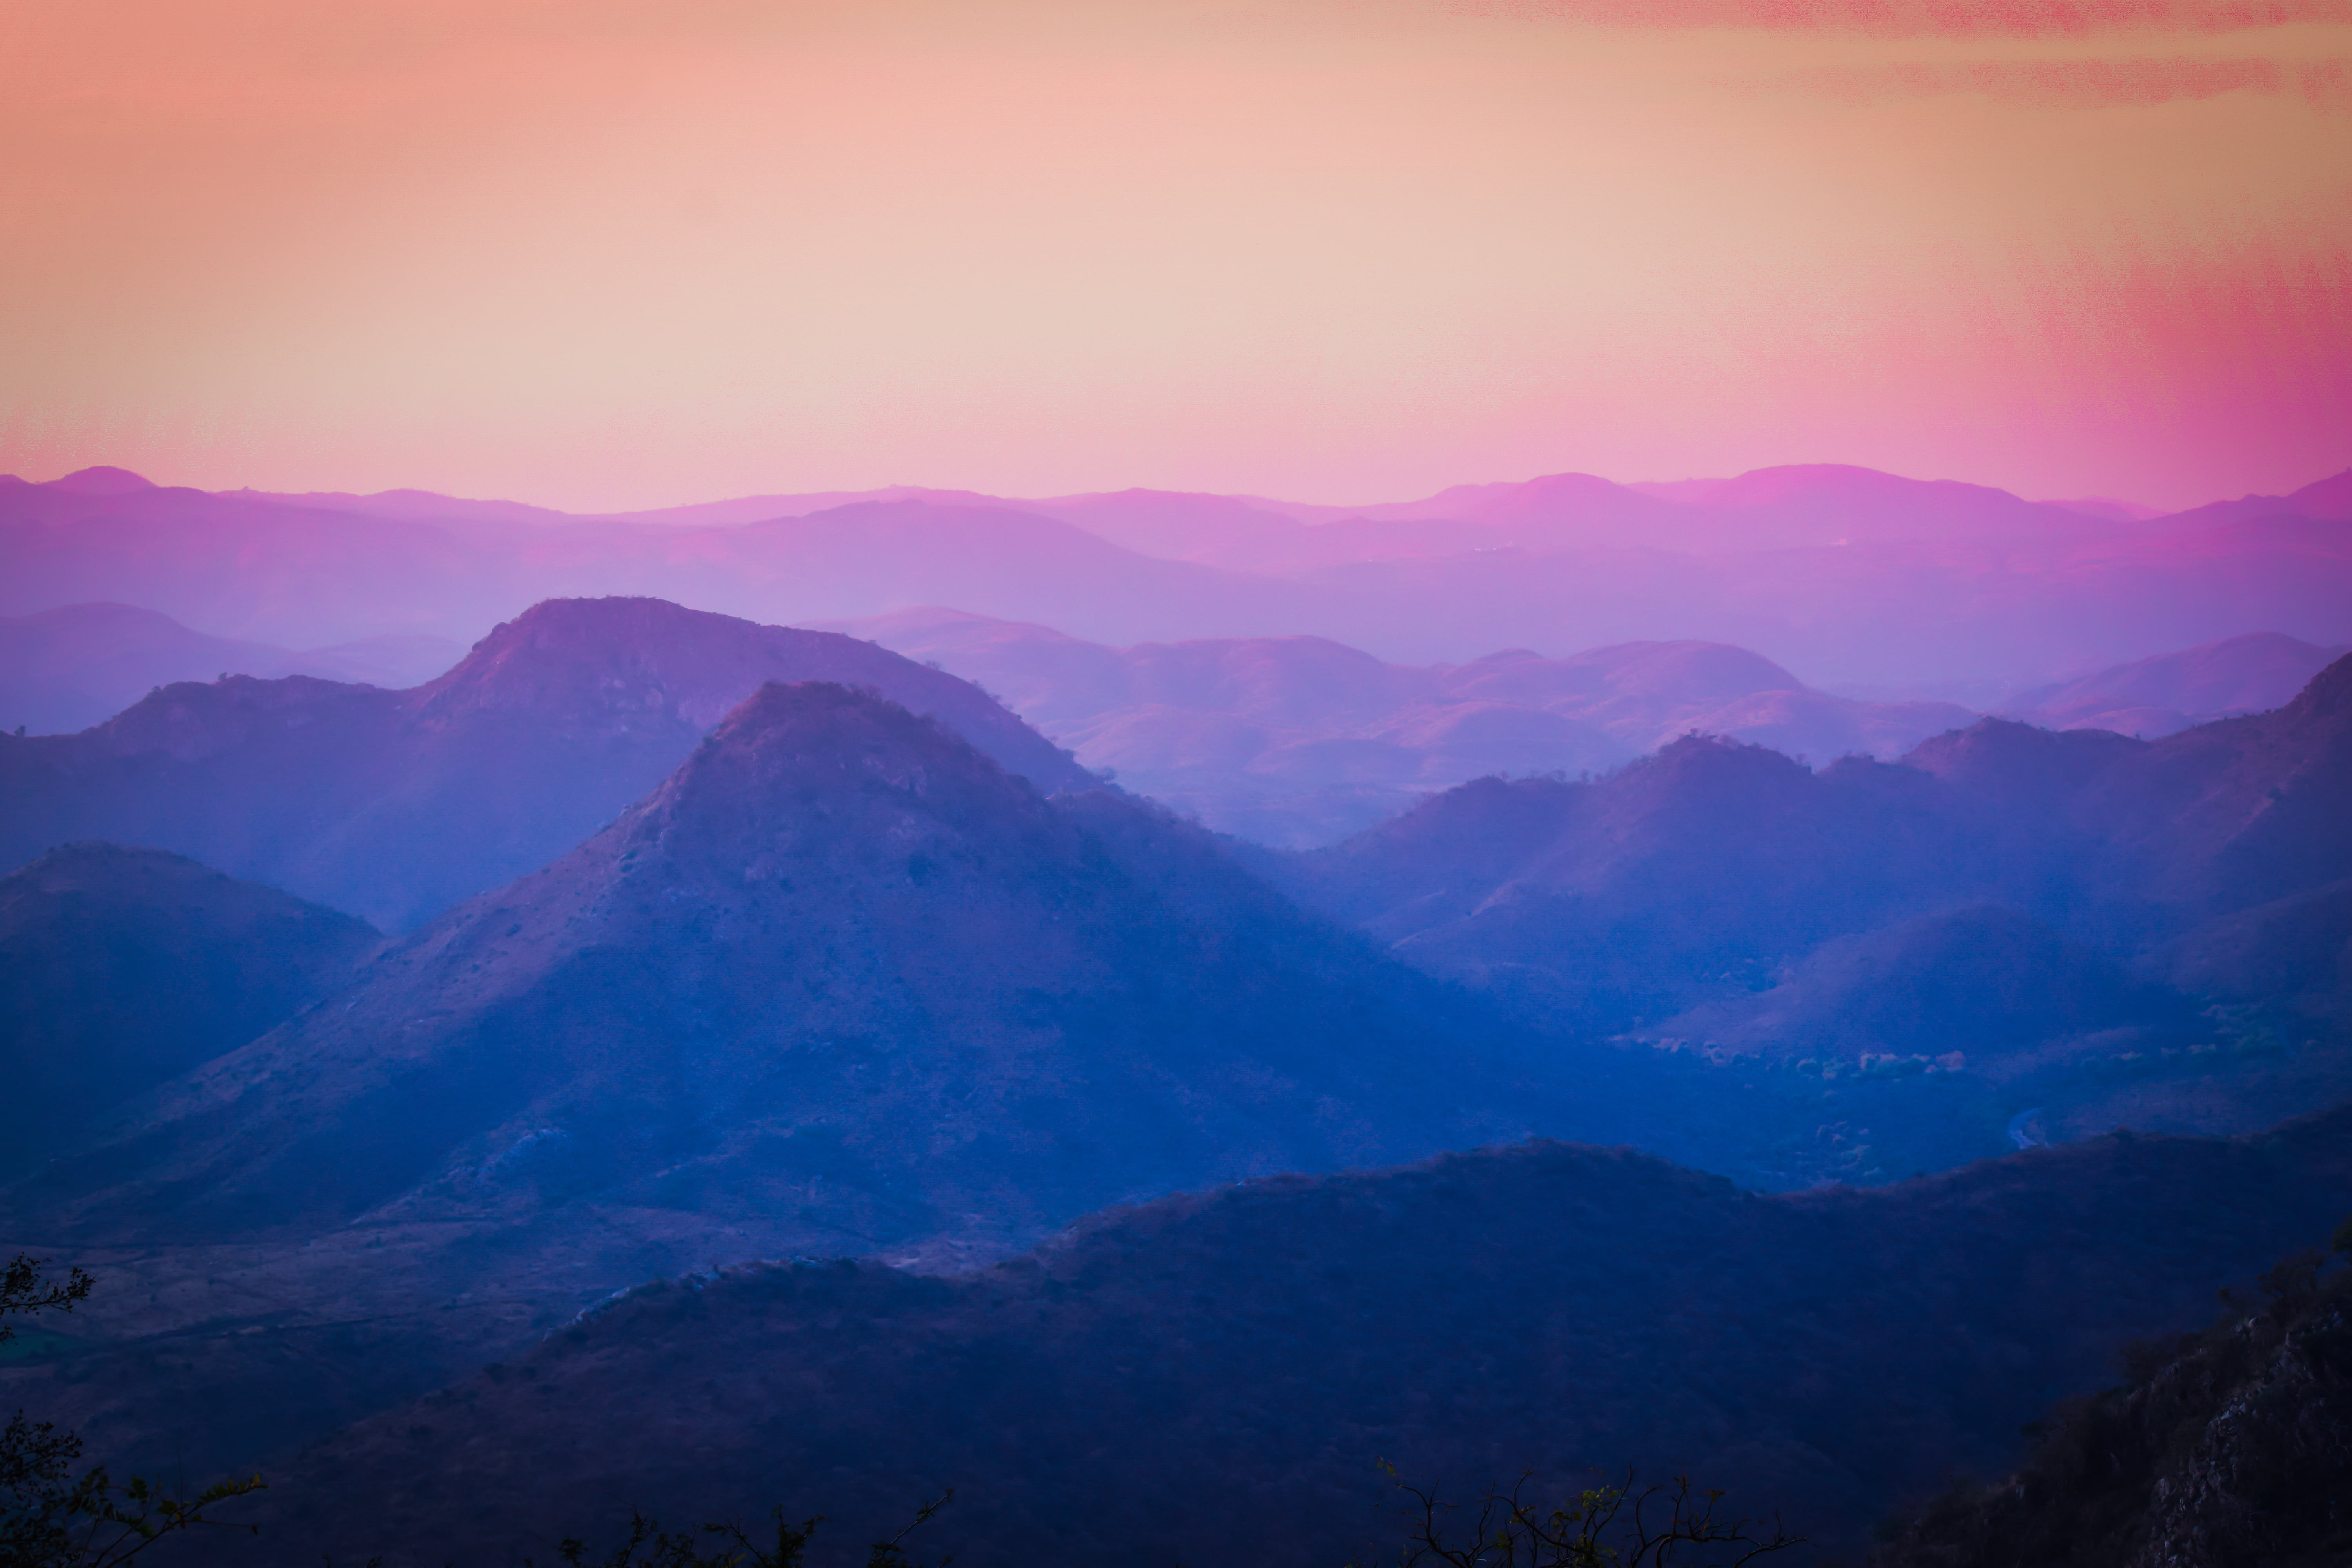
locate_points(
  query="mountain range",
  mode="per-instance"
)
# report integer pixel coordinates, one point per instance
(1857, 578)
(395, 805)
(1299, 740)
(75, 665)
(714, 940)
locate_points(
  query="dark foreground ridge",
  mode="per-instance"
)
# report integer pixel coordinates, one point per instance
(1211, 1378)
(2222, 1448)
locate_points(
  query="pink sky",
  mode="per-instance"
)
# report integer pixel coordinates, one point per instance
(604, 254)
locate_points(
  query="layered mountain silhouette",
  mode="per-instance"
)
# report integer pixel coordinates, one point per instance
(67, 668)
(840, 965)
(1299, 740)
(395, 805)
(1856, 577)
(127, 967)
(1212, 1378)
(1713, 865)
(2152, 698)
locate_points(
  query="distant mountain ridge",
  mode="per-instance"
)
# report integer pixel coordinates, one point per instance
(395, 805)
(1854, 576)
(2162, 696)
(67, 668)
(1297, 741)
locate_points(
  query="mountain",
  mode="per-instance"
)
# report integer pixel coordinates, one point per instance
(1988, 983)
(1713, 855)
(395, 805)
(2220, 1448)
(128, 967)
(840, 965)
(1213, 1378)
(1630, 897)
(2164, 694)
(2330, 499)
(67, 668)
(1299, 740)
(1854, 576)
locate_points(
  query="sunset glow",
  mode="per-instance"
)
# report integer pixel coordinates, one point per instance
(605, 255)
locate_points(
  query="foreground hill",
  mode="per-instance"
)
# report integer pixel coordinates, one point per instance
(1297, 741)
(840, 967)
(2223, 1447)
(127, 967)
(1211, 1378)
(395, 805)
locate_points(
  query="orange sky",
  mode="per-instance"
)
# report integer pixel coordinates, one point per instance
(597, 254)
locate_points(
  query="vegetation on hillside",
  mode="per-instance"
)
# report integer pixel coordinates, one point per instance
(50, 1518)
(2226, 1449)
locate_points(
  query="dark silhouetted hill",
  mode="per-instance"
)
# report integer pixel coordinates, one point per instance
(395, 805)
(1211, 1378)
(841, 965)
(128, 967)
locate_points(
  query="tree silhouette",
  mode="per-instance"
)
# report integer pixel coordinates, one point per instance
(1664, 1524)
(50, 1517)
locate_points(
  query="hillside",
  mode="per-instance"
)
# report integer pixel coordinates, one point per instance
(1711, 861)
(840, 967)
(2223, 1447)
(1544, 1306)
(396, 804)
(127, 967)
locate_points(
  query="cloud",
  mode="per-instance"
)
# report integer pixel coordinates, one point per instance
(1934, 18)
(2077, 84)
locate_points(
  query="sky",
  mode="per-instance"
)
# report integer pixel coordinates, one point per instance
(601, 254)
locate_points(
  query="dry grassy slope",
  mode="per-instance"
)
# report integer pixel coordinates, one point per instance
(396, 806)
(1209, 1378)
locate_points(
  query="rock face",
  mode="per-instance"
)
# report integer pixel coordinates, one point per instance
(395, 805)
(1212, 1379)
(840, 964)
(128, 967)
(2222, 1448)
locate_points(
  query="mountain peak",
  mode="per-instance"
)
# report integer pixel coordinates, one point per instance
(794, 756)
(102, 481)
